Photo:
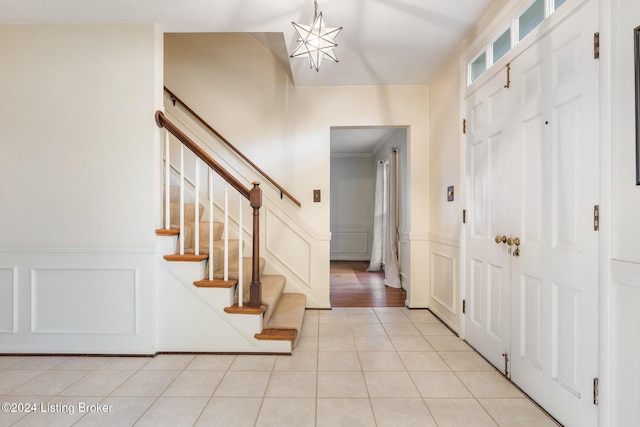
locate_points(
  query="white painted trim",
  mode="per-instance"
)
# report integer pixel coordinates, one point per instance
(14, 326)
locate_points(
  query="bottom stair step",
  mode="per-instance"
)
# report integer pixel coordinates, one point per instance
(286, 321)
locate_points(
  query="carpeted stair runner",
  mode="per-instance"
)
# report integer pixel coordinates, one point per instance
(285, 311)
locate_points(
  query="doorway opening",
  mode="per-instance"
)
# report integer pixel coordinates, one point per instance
(356, 153)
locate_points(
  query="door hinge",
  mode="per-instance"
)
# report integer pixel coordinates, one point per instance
(464, 306)
(464, 125)
(596, 45)
(464, 216)
(596, 218)
(596, 391)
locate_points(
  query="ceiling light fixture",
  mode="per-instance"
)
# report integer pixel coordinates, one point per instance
(315, 40)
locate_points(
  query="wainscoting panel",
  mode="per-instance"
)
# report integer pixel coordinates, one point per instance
(625, 344)
(8, 300)
(288, 247)
(104, 300)
(445, 282)
(350, 243)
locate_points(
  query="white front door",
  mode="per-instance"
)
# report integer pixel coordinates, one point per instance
(555, 278)
(532, 167)
(489, 152)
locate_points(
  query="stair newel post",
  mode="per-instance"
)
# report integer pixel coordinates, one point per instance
(255, 199)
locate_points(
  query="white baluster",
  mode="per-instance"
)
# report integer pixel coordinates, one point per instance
(196, 237)
(167, 182)
(240, 291)
(210, 224)
(226, 231)
(182, 231)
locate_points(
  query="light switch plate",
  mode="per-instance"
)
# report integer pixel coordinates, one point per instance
(316, 196)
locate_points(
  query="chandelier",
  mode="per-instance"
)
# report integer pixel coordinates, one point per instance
(315, 41)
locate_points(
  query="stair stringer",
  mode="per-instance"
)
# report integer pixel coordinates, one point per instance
(192, 319)
(313, 281)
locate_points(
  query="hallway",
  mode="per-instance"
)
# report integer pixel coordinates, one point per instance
(353, 367)
(353, 286)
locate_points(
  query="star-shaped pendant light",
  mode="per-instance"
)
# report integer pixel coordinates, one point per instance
(315, 40)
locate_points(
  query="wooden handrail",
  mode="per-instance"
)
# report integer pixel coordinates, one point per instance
(234, 149)
(163, 122)
(254, 195)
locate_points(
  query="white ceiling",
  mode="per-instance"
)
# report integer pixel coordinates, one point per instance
(382, 41)
(360, 140)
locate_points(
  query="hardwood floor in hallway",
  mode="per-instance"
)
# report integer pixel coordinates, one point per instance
(353, 286)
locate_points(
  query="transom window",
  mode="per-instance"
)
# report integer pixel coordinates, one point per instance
(524, 23)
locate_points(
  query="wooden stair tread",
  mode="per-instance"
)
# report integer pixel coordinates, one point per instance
(205, 283)
(245, 309)
(186, 257)
(277, 334)
(167, 232)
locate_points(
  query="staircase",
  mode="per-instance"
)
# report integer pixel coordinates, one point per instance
(202, 273)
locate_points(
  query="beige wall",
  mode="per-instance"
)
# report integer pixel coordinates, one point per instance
(240, 89)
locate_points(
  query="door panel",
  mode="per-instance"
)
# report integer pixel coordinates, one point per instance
(533, 173)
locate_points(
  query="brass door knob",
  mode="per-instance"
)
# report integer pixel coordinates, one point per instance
(513, 241)
(501, 239)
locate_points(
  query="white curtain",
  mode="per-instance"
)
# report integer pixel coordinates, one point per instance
(384, 247)
(391, 268)
(375, 263)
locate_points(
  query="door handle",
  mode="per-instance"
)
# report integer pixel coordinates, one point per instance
(501, 239)
(513, 241)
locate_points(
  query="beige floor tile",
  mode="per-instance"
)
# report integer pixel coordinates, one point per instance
(421, 316)
(194, 384)
(336, 344)
(253, 363)
(338, 361)
(440, 385)
(466, 361)
(82, 363)
(39, 362)
(173, 412)
(230, 411)
(416, 361)
(146, 383)
(433, 329)
(287, 412)
(307, 343)
(448, 343)
(400, 329)
(516, 413)
(369, 318)
(380, 361)
(334, 330)
(376, 343)
(390, 384)
(459, 413)
(344, 412)
(243, 384)
(125, 363)
(401, 412)
(169, 362)
(390, 318)
(309, 329)
(298, 361)
(360, 310)
(12, 379)
(98, 383)
(333, 316)
(489, 384)
(341, 384)
(292, 384)
(123, 411)
(49, 383)
(410, 343)
(8, 361)
(367, 329)
(210, 362)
